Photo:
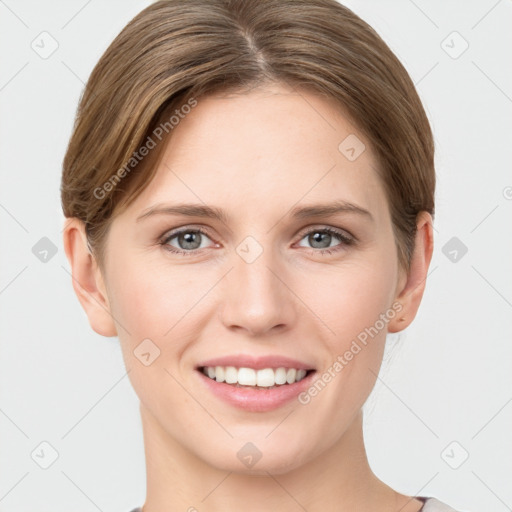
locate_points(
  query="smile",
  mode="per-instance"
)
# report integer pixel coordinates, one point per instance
(265, 378)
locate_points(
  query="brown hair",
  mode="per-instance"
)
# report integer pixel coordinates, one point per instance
(175, 51)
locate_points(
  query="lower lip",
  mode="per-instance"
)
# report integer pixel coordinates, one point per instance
(255, 399)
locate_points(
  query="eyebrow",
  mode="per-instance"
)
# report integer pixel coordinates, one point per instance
(189, 210)
(211, 212)
(324, 210)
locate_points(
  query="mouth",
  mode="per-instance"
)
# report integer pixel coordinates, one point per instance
(255, 386)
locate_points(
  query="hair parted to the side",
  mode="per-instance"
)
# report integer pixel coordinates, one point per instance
(175, 51)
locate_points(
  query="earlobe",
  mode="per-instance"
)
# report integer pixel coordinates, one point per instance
(87, 280)
(411, 288)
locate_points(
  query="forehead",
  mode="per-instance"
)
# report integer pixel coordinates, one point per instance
(274, 147)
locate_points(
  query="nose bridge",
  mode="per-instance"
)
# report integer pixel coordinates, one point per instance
(256, 299)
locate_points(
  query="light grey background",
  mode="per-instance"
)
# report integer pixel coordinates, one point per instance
(449, 375)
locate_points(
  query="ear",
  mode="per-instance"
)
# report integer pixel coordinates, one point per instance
(412, 284)
(87, 280)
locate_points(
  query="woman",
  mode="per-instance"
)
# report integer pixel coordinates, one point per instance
(249, 193)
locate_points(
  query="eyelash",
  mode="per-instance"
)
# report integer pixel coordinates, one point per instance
(344, 239)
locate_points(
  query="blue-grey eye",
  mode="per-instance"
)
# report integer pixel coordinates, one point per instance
(187, 240)
(324, 238)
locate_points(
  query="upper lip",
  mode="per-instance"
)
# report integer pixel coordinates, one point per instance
(258, 363)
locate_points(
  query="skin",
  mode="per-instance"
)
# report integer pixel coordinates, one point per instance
(255, 155)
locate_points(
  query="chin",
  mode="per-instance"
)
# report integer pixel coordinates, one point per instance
(258, 457)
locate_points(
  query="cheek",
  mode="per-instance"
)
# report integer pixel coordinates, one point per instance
(355, 303)
(166, 305)
(349, 299)
(156, 304)
(151, 303)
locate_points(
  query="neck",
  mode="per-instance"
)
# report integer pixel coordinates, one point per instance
(339, 479)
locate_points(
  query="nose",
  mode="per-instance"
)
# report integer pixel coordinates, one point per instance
(256, 297)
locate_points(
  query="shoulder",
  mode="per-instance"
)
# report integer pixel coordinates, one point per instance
(434, 505)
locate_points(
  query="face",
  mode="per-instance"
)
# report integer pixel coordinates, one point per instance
(274, 282)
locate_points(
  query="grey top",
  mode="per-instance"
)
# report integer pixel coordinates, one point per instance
(429, 505)
(434, 505)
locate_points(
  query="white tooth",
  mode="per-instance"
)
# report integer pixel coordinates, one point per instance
(219, 374)
(231, 375)
(265, 377)
(290, 375)
(300, 375)
(247, 377)
(280, 376)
